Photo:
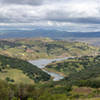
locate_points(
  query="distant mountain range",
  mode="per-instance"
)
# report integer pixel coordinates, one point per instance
(55, 34)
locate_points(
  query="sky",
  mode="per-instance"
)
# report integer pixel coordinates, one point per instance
(72, 15)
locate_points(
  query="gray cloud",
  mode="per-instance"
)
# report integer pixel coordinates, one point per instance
(50, 12)
(73, 17)
(22, 2)
(87, 20)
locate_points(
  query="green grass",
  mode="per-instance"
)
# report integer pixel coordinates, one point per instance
(29, 49)
(82, 71)
(97, 98)
(32, 71)
(17, 75)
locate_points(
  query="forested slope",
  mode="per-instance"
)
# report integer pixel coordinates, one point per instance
(34, 73)
(78, 69)
(81, 83)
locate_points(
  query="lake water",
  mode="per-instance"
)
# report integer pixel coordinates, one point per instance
(41, 63)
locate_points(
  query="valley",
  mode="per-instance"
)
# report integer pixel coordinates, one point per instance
(41, 52)
(65, 70)
(41, 63)
(49, 50)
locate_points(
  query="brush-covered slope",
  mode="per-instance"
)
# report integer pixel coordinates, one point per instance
(76, 69)
(16, 70)
(44, 48)
(83, 84)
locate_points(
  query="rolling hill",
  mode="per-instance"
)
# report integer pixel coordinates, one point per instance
(81, 83)
(20, 71)
(35, 48)
(86, 68)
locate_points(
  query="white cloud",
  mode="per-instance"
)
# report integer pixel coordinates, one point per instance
(51, 12)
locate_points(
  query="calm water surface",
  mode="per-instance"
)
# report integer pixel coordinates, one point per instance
(41, 63)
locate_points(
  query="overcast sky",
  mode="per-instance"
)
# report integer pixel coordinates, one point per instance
(74, 15)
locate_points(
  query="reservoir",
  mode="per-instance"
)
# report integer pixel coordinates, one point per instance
(41, 63)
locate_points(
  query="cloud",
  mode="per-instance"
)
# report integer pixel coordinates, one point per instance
(64, 13)
(82, 12)
(22, 2)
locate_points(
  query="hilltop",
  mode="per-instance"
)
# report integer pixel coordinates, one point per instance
(35, 48)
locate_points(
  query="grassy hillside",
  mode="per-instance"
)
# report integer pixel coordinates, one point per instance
(15, 76)
(19, 77)
(81, 74)
(16, 70)
(44, 48)
(82, 81)
(79, 68)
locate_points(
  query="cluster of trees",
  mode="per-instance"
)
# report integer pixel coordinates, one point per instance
(5, 43)
(81, 71)
(85, 47)
(50, 91)
(31, 92)
(29, 69)
(90, 68)
(88, 83)
(75, 65)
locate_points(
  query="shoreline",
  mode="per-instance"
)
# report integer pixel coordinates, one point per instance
(41, 63)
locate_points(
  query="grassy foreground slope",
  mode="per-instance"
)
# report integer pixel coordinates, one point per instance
(31, 92)
(35, 48)
(16, 70)
(81, 83)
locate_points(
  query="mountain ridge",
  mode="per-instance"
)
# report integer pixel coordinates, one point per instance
(53, 33)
